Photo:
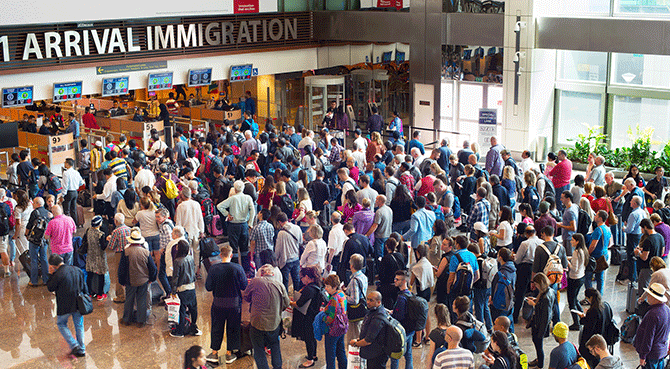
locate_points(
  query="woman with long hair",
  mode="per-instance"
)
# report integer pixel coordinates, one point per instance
(308, 163)
(541, 320)
(577, 267)
(304, 205)
(267, 193)
(504, 355)
(378, 181)
(436, 336)
(401, 205)
(593, 321)
(306, 305)
(505, 233)
(129, 206)
(194, 357)
(350, 207)
(336, 309)
(634, 172)
(303, 179)
(376, 146)
(509, 182)
(22, 211)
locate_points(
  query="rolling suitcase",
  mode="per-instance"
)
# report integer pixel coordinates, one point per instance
(24, 258)
(80, 216)
(631, 298)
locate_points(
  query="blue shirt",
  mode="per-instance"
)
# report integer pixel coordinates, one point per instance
(563, 356)
(421, 227)
(250, 105)
(74, 128)
(467, 257)
(633, 222)
(570, 214)
(415, 143)
(396, 125)
(603, 235)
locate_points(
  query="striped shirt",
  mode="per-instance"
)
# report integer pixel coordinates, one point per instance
(118, 167)
(458, 358)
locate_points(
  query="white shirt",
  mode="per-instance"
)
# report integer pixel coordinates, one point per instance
(526, 251)
(146, 220)
(526, 165)
(158, 145)
(168, 254)
(507, 241)
(72, 180)
(361, 143)
(336, 239)
(423, 270)
(314, 254)
(189, 216)
(144, 177)
(359, 156)
(108, 190)
(346, 187)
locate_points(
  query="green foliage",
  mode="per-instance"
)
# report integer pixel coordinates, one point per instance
(639, 153)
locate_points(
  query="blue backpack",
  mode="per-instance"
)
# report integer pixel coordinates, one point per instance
(629, 328)
(503, 294)
(439, 214)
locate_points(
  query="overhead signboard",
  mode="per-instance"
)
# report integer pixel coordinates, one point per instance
(17, 96)
(67, 91)
(199, 77)
(160, 81)
(115, 86)
(241, 72)
(130, 67)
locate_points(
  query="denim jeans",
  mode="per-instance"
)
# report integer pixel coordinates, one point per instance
(537, 342)
(262, 339)
(238, 235)
(401, 227)
(78, 320)
(632, 240)
(408, 354)
(556, 309)
(481, 305)
(599, 277)
(559, 191)
(574, 285)
(38, 255)
(139, 295)
(11, 246)
(291, 268)
(153, 242)
(67, 258)
(188, 306)
(654, 364)
(335, 348)
(162, 275)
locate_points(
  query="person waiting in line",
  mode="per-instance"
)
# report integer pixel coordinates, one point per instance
(598, 347)
(194, 358)
(95, 244)
(565, 354)
(541, 320)
(436, 336)
(578, 262)
(306, 306)
(504, 355)
(335, 311)
(593, 322)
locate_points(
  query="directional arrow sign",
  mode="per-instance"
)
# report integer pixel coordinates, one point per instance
(131, 67)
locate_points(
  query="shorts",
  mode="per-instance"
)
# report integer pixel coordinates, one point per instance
(4, 241)
(154, 242)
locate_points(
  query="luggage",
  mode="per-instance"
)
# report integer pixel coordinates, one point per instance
(80, 216)
(618, 254)
(631, 299)
(216, 228)
(24, 258)
(629, 328)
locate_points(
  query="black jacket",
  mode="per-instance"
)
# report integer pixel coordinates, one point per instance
(501, 193)
(67, 282)
(542, 314)
(356, 244)
(319, 193)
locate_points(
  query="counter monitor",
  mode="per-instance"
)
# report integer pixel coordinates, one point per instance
(17, 96)
(115, 86)
(241, 72)
(199, 77)
(67, 91)
(160, 81)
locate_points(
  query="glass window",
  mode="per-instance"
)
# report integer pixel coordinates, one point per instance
(470, 101)
(582, 66)
(641, 70)
(629, 112)
(562, 7)
(577, 111)
(447, 106)
(494, 100)
(643, 7)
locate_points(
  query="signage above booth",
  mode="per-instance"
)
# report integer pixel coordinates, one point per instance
(160, 81)
(17, 96)
(115, 86)
(67, 91)
(130, 67)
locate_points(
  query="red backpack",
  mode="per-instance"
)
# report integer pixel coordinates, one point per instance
(12, 220)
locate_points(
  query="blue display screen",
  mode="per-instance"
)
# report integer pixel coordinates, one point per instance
(17, 96)
(241, 72)
(199, 77)
(160, 81)
(67, 91)
(115, 86)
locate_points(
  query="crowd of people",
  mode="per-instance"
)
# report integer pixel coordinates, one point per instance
(351, 240)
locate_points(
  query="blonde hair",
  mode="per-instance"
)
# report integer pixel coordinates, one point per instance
(316, 231)
(585, 205)
(474, 147)
(529, 178)
(541, 282)
(436, 169)
(281, 188)
(377, 138)
(303, 194)
(588, 188)
(656, 263)
(365, 202)
(508, 172)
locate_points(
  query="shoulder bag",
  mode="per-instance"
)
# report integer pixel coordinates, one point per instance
(357, 312)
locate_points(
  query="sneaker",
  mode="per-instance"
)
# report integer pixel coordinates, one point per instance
(30, 284)
(175, 334)
(197, 332)
(230, 358)
(102, 297)
(119, 301)
(7, 273)
(78, 352)
(214, 358)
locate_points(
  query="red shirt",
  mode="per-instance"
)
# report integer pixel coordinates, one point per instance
(89, 121)
(560, 175)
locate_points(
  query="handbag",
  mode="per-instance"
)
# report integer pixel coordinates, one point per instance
(611, 218)
(357, 312)
(84, 304)
(601, 264)
(340, 324)
(592, 265)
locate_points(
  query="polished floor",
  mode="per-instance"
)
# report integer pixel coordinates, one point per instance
(29, 337)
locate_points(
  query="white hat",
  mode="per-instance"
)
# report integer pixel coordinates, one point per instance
(135, 237)
(98, 143)
(479, 226)
(657, 290)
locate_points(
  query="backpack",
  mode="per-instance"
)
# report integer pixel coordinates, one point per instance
(629, 327)
(554, 268)
(488, 270)
(416, 313)
(85, 160)
(208, 210)
(523, 357)
(54, 184)
(286, 205)
(171, 191)
(456, 208)
(583, 222)
(5, 214)
(396, 336)
(208, 248)
(439, 214)
(37, 230)
(549, 189)
(502, 296)
(532, 198)
(12, 220)
(610, 330)
(664, 213)
(353, 183)
(464, 277)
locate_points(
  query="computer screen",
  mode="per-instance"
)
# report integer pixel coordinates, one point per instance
(10, 135)
(17, 96)
(160, 81)
(386, 57)
(241, 72)
(399, 57)
(67, 91)
(115, 86)
(199, 77)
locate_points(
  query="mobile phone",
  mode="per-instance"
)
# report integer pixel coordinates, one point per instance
(576, 311)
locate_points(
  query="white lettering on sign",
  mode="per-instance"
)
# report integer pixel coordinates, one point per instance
(75, 42)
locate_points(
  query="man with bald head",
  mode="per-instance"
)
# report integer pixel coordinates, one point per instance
(479, 171)
(372, 338)
(59, 232)
(494, 160)
(37, 223)
(454, 357)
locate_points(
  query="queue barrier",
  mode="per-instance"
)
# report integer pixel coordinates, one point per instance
(211, 115)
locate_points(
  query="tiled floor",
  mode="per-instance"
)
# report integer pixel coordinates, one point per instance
(29, 337)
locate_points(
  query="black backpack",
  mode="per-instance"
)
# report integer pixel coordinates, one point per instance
(583, 222)
(611, 332)
(37, 230)
(286, 205)
(5, 213)
(549, 189)
(416, 313)
(208, 248)
(464, 277)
